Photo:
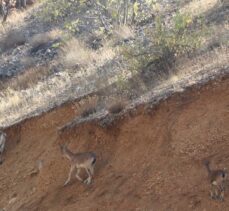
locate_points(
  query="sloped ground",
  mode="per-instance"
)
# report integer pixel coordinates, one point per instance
(59, 84)
(148, 160)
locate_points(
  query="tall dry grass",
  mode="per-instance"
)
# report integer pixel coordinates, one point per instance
(27, 79)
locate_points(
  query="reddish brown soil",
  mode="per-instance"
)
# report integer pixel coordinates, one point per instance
(149, 161)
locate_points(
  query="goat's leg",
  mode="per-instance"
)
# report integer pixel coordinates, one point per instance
(217, 192)
(222, 186)
(77, 175)
(88, 180)
(221, 196)
(221, 191)
(69, 175)
(213, 192)
(91, 169)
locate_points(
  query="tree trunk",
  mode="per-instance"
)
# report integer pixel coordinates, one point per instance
(125, 15)
(133, 14)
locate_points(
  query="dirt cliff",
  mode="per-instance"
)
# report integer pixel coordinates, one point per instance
(147, 160)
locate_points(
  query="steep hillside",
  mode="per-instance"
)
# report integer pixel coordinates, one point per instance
(143, 84)
(150, 159)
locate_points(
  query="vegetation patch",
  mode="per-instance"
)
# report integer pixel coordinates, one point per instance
(165, 43)
(116, 107)
(12, 39)
(27, 79)
(87, 107)
(45, 40)
(88, 111)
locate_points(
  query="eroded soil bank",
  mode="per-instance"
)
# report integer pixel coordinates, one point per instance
(148, 160)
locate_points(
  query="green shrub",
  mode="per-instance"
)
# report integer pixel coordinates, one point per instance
(55, 10)
(72, 26)
(165, 42)
(179, 39)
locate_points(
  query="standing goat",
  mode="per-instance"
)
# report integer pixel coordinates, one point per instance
(79, 161)
(2, 145)
(217, 179)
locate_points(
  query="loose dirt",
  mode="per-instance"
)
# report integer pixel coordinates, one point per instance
(148, 160)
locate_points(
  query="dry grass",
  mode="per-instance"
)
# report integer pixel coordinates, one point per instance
(75, 53)
(124, 32)
(15, 17)
(197, 7)
(218, 36)
(16, 104)
(12, 39)
(28, 62)
(43, 38)
(27, 79)
(87, 106)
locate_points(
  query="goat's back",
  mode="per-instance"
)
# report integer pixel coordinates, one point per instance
(85, 158)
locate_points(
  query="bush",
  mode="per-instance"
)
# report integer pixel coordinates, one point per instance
(116, 107)
(164, 43)
(56, 10)
(181, 38)
(88, 111)
(46, 40)
(87, 107)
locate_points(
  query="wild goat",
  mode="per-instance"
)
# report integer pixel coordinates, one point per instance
(79, 161)
(217, 179)
(2, 145)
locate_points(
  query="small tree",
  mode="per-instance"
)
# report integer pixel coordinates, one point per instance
(164, 43)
